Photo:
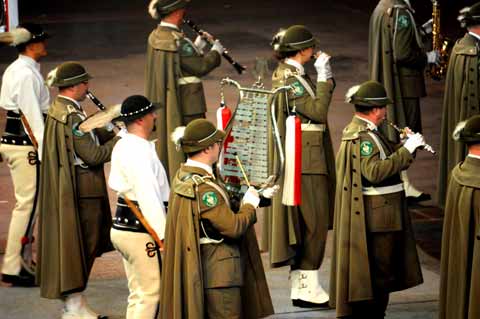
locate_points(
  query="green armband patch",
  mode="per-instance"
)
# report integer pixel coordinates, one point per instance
(366, 148)
(403, 22)
(187, 49)
(76, 131)
(210, 199)
(298, 88)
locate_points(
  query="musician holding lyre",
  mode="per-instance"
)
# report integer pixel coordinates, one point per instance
(309, 210)
(175, 66)
(398, 59)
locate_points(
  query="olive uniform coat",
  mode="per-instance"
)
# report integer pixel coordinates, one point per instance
(461, 101)
(189, 269)
(370, 232)
(297, 235)
(75, 218)
(396, 59)
(460, 264)
(173, 68)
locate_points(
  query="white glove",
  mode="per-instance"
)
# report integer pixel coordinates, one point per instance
(251, 197)
(322, 65)
(413, 142)
(427, 26)
(433, 57)
(217, 46)
(200, 43)
(269, 192)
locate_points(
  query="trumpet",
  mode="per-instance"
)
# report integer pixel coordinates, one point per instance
(404, 131)
(238, 67)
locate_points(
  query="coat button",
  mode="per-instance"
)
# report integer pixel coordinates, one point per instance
(188, 248)
(355, 185)
(354, 156)
(478, 237)
(354, 170)
(345, 189)
(358, 213)
(356, 199)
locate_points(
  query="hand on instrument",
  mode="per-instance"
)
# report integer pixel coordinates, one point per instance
(217, 46)
(406, 133)
(200, 42)
(427, 26)
(269, 192)
(208, 37)
(251, 197)
(433, 57)
(323, 67)
(413, 142)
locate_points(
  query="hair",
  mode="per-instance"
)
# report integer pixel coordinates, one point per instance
(367, 109)
(283, 55)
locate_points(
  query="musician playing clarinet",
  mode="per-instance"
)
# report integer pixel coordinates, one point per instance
(174, 69)
(374, 250)
(75, 218)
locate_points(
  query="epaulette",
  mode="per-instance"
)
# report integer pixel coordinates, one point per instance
(397, 6)
(164, 39)
(186, 185)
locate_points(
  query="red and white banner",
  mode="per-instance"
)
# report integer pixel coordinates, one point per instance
(292, 182)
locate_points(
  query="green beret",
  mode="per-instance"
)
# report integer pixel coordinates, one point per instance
(468, 131)
(294, 38)
(68, 74)
(369, 93)
(198, 135)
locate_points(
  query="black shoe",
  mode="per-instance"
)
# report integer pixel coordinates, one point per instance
(411, 200)
(22, 280)
(307, 304)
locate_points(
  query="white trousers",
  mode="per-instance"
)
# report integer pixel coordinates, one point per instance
(24, 183)
(143, 273)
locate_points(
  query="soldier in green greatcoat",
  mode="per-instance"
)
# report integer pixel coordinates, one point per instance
(462, 95)
(174, 69)
(74, 211)
(460, 264)
(212, 267)
(298, 234)
(374, 250)
(397, 59)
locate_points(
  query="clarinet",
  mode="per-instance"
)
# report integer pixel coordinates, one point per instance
(96, 101)
(426, 147)
(238, 67)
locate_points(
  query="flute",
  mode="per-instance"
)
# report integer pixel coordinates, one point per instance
(96, 101)
(240, 68)
(403, 131)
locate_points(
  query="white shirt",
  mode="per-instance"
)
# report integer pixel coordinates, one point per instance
(23, 88)
(137, 172)
(169, 25)
(473, 156)
(297, 65)
(476, 36)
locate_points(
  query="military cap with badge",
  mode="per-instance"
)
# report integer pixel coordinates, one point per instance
(470, 16)
(67, 74)
(161, 8)
(370, 94)
(294, 38)
(196, 136)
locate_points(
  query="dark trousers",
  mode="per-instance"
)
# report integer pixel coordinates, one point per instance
(371, 309)
(413, 115)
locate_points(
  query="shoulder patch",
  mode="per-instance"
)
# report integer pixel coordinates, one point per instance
(76, 131)
(210, 199)
(298, 88)
(186, 49)
(366, 148)
(403, 22)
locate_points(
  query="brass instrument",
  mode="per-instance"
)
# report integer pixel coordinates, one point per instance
(238, 67)
(404, 131)
(440, 44)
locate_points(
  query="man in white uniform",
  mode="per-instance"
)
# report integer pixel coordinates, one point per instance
(23, 92)
(137, 174)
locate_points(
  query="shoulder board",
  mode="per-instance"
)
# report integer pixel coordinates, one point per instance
(466, 46)
(164, 39)
(60, 111)
(185, 189)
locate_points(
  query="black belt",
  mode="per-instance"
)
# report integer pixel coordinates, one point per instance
(14, 132)
(125, 219)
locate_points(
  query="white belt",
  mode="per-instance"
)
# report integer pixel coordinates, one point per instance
(314, 127)
(370, 191)
(205, 240)
(189, 80)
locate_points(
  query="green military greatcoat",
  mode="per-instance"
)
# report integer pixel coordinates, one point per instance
(173, 71)
(396, 59)
(461, 101)
(460, 264)
(297, 235)
(190, 269)
(75, 218)
(374, 249)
